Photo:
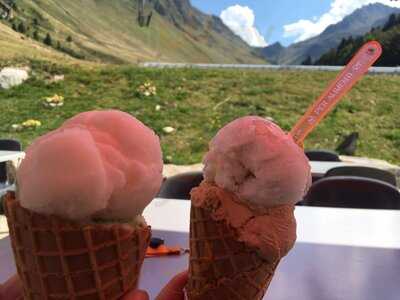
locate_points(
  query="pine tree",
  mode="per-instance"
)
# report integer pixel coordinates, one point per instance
(390, 23)
(36, 35)
(350, 40)
(47, 40)
(21, 28)
(14, 27)
(35, 22)
(342, 44)
(69, 39)
(307, 61)
(328, 59)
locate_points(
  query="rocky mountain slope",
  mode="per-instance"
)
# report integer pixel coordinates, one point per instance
(108, 31)
(358, 23)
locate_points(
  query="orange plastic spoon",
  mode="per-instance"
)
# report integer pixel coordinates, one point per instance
(353, 72)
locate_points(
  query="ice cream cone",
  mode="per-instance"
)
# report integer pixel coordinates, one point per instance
(222, 265)
(59, 259)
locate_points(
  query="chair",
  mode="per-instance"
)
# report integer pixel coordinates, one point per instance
(322, 155)
(353, 192)
(7, 145)
(361, 171)
(179, 186)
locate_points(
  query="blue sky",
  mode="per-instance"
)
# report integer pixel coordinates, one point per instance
(271, 16)
(261, 22)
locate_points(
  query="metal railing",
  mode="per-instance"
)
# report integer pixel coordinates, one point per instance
(373, 70)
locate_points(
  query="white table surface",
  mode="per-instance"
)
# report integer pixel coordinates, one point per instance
(11, 155)
(368, 229)
(321, 167)
(322, 225)
(362, 245)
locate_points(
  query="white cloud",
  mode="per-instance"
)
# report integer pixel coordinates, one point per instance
(305, 29)
(240, 19)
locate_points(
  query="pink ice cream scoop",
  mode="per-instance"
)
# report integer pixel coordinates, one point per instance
(103, 164)
(259, 162)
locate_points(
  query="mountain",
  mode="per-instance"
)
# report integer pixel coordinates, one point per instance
(14, 46)
(108, 31)
(273, 52)
(388, 36)
(358, 23)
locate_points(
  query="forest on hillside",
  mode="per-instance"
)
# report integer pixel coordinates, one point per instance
(388, 36)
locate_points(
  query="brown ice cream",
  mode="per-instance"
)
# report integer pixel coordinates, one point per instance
(235, 249)
(242, 215)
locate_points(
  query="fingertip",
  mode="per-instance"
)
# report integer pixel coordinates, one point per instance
(182, 277)
(12, 289)
(174, 289)
(184, 273)
(136, 295)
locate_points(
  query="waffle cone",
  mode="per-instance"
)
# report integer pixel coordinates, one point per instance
(222, 267)
(58, 259)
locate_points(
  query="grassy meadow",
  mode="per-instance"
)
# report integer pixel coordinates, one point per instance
(199, 102)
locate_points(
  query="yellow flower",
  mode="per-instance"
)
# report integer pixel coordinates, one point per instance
(31, 123)
(54, 101)
(147, 89)
(57, 98)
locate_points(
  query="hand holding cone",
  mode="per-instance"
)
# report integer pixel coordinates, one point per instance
(59, 259)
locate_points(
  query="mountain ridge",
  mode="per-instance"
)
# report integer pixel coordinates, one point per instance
(356, 24)
(388, 36)
(107, 31)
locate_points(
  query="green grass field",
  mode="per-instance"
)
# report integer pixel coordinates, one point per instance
(199, 102)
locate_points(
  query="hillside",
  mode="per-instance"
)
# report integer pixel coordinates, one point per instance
(358, 23)
(15, 46)
(108, 31)
(273, 52)
(388, 36)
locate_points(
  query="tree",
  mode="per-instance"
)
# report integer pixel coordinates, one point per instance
(21, 28)
(14, 27)
(390, 23)
(328, 59)
(307, 61)
(35, 22)
(36, 35)
(69, 39)
(58, 45)
(48, 40)
(350, 40)
(369, 37)
(342, 44)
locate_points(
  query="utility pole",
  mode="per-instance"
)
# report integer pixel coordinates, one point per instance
(144, 14)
